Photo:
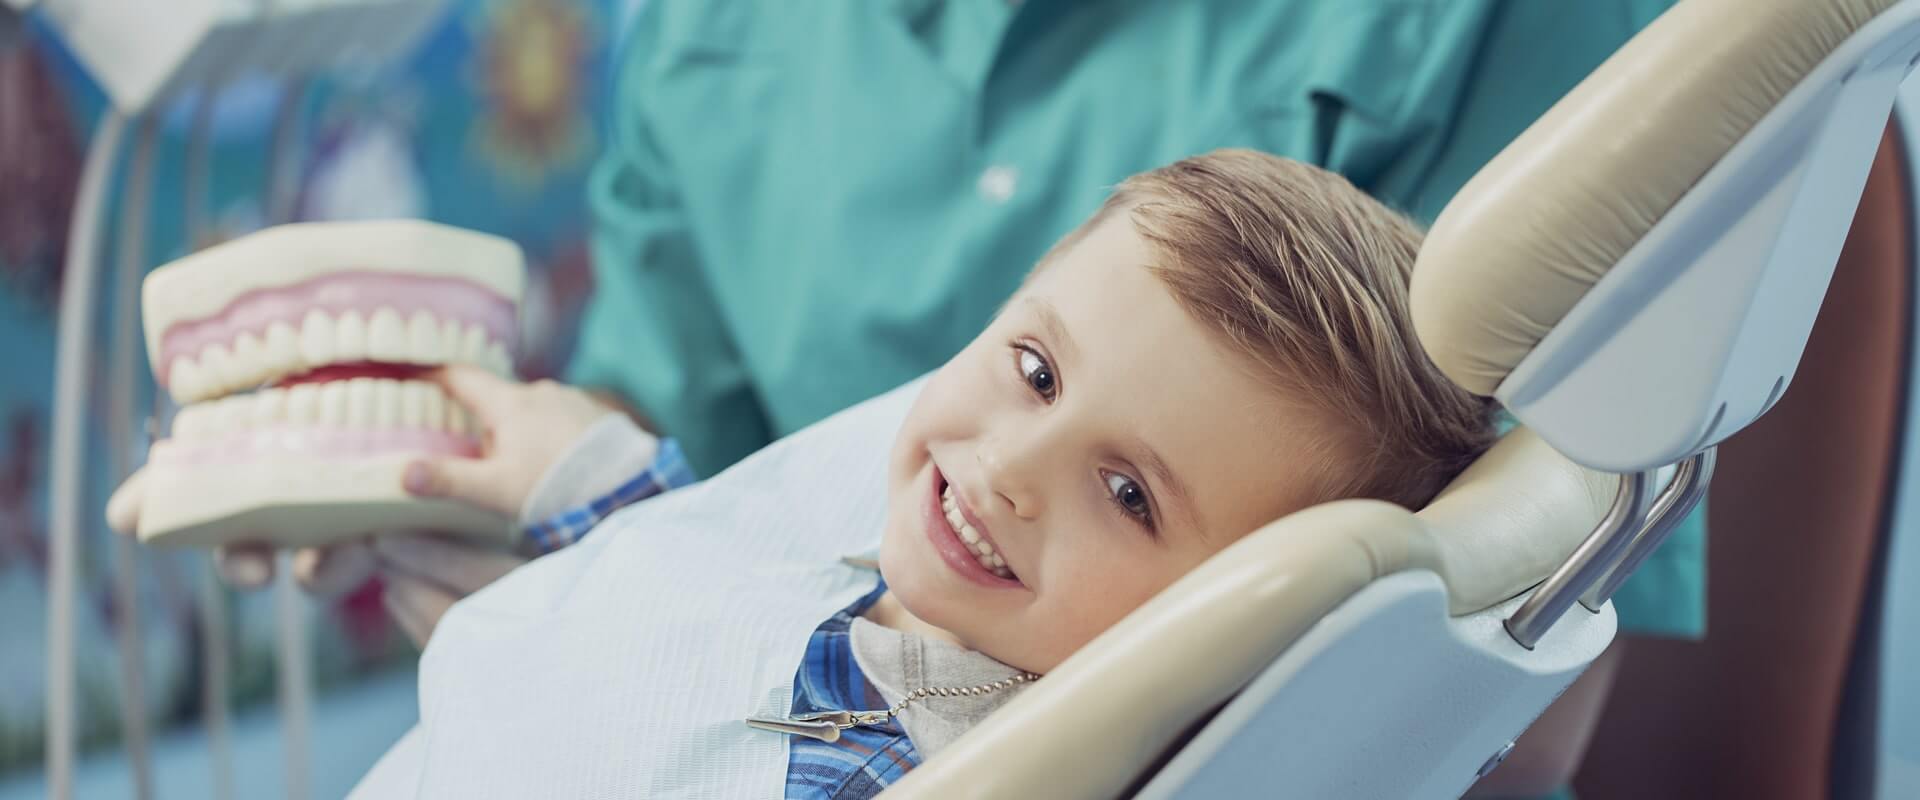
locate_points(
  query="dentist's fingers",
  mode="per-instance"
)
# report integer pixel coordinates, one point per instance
(324, 571)
(480, 391)
(476, 481)
(123, 508)
(415, 604)
(247, 566)
(335, 569)
(456, 566)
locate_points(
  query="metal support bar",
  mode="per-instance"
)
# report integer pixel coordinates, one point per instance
(1677, 500)
(1601, 550)
(137, 200)
(293, 650)
(66, 471)
(215, 652)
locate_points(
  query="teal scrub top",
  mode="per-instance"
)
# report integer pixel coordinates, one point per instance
(803, 205)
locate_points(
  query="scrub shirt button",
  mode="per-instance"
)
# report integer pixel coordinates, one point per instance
(998, 182)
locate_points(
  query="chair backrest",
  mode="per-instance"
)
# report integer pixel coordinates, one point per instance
(1797, 509)
(1726, 145)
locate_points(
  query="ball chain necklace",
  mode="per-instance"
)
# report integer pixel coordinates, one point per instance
(827, 725)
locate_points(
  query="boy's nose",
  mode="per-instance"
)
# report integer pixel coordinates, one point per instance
(1008, 480)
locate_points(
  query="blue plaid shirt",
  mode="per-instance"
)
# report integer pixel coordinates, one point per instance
(866, 759)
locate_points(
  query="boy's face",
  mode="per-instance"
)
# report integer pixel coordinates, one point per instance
(1099, 441)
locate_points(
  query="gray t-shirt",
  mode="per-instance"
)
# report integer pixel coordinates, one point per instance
(898, 663)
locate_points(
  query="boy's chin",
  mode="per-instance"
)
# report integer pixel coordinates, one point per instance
(906, 575)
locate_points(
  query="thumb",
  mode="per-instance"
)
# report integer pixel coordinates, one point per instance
(468, 480)
(123, 509)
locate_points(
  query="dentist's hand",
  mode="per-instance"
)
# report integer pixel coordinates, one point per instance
(322, 570)
(425, 574)
(528, 426)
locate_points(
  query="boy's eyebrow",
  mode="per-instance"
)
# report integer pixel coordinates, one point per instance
(1056, 330)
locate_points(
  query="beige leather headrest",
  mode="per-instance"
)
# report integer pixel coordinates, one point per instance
(1542, 222)
(1497, 529)
(1510, 519)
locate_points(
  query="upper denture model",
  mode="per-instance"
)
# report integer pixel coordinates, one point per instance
(294, 354)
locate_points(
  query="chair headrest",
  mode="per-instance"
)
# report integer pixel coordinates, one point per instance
(1536, 228)
(1509, 519)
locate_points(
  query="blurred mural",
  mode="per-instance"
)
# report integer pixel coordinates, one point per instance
(492, 125)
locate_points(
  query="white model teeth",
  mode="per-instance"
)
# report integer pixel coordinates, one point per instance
(981, 549)
(350, 337)
(316, 338)
(423, 339)
(361, 403)
(387, 337)
(257, 357)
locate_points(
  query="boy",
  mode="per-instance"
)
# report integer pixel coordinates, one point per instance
(1225, 342)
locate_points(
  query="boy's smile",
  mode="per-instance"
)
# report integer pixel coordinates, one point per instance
(962, 540)
(1091, 446)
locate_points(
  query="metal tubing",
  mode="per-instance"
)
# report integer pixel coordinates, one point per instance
(293, 651)
(212, 608)
(1601, 550)
(136, 201)
(72, 362)
(1677, 500)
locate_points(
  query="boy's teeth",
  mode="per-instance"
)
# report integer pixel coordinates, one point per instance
(318, 339)
(979, 547)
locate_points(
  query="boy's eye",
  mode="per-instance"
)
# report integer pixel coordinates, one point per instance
(1129, 495)
(1038, 374)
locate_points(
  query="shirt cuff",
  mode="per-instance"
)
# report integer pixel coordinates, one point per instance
(611, 466)
(610, 451)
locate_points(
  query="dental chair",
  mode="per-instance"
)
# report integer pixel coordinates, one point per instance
(1635, 278)
(1806, 686)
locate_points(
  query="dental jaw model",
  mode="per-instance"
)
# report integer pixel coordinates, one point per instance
(295, 355)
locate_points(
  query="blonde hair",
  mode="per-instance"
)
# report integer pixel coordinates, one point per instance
(1306, 275)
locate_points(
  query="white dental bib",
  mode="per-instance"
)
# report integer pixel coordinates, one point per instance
(623, 666)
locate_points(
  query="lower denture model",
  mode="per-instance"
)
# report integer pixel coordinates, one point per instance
(295, 355)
